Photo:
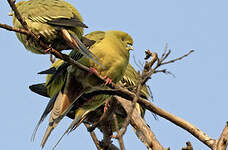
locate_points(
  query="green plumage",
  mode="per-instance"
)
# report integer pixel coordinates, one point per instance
(129, 81)
(46, 18)
(116, 44)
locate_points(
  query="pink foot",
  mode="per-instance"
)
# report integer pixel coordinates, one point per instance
(92, 71)
(47, 50)
(106, 106)
(108, 80)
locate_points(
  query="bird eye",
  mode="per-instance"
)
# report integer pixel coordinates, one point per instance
(122, 39)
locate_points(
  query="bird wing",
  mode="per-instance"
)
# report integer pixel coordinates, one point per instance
(59, 13)
(96, 36)
(44, 115)
(39, 89)
(48, 17)
(131, 78)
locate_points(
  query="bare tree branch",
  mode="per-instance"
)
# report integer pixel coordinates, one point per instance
(120, 138)
(9, 28)
(107, 134)
(17, 14)
(143, 132)
(106, 115)
(222, 142)
(127, 120)
(94, 137)
(203, 137)
(179, 58)
(165, 71)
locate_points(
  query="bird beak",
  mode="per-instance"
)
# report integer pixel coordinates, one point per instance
(10, 14)
(131, 48)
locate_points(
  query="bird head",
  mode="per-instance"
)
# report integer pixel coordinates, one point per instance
(125, 38)
(17, 5)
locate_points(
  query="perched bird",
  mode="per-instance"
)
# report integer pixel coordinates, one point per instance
(128, 81)
(112, 47)
(56, 22)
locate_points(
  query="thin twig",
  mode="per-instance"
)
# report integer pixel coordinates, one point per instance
(165, 50)
(105, 116)
(138, 64)
(127, 120)
(94, 137)
(107, 134)
(120, 138)
(179, 58)
(165, 71)
(18, 15)
(160, 63)
(10, 28)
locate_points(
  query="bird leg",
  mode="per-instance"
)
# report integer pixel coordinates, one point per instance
(47, 50)
(106, 106)
(28, 37)
(92, 71)
(52, 58)
(107, 80)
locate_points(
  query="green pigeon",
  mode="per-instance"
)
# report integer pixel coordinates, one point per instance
(116, 44)
(56, 22)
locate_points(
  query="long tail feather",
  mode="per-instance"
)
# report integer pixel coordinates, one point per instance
(44, 115)
(75, 123)
(46, 135)
(63, 104)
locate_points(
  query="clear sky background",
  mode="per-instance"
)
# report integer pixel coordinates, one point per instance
(197, 94)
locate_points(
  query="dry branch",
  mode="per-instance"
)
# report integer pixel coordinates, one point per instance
(9, 28)
(106, 115)
(222, 142)
(143, 132)
(17, 14)
(94, 137)
(120, 138)
(127, 120)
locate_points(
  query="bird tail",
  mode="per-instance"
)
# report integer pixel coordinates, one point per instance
(46, 135)
(44, 115)
(80, 116)
(63, 104)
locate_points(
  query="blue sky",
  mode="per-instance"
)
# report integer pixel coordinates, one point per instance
(197, 94)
